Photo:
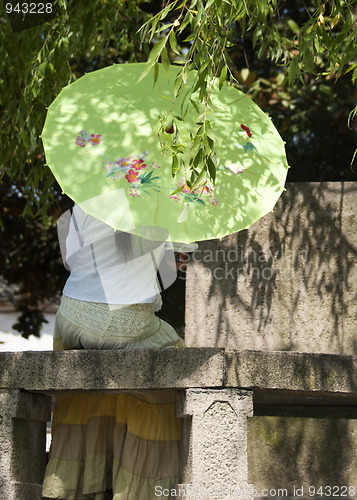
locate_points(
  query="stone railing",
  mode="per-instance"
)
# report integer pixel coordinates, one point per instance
(217, 392)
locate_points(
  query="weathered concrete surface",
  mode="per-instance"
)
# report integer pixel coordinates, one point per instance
(314, 375)
(305, 409)
(287, 452)
(112, 370)
(281, 371)
(216, 460)
(287, 283)
(22, 443)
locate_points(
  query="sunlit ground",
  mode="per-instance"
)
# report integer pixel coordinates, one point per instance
(11, 340)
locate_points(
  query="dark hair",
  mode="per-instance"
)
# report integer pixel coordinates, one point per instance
(123, 244)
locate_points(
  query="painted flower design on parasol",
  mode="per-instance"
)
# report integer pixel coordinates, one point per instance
(129, 168)
(134, 170)
(189, 195)
(84, 138)
(248, 146)
(139, 173)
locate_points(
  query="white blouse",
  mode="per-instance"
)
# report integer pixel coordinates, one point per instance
(103, 271)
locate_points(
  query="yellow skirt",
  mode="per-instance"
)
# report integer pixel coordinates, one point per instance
(113, 446)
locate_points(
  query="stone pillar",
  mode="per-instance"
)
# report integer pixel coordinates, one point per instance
(23, 417)
(214, 461)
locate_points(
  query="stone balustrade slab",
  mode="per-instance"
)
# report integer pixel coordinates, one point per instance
(284, 373)
(112, 370)
(314, 374)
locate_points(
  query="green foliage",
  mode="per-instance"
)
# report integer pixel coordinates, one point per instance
(38, 62)
(319, 40)
(323, 44)
(35, 64)
(298, 60)
(29, 255)
(209, 29)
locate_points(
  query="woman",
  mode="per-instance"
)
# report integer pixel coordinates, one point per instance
(117, 446)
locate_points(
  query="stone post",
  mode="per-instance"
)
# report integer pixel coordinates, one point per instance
(23, 417)
(214, 461)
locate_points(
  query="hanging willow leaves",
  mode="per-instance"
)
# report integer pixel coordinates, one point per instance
(317, 46)
(211, 28)
(199, 35)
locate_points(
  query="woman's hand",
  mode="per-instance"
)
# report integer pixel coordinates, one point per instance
(181, 260)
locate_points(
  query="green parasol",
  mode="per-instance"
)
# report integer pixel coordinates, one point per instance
(108, 140)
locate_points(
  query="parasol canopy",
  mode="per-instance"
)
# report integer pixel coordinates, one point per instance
(109, 139)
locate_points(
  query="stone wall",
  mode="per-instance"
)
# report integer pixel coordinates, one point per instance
(302, 448)
(303, 432)
(287, 283)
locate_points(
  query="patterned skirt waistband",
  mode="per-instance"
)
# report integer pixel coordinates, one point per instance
(135, 321)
